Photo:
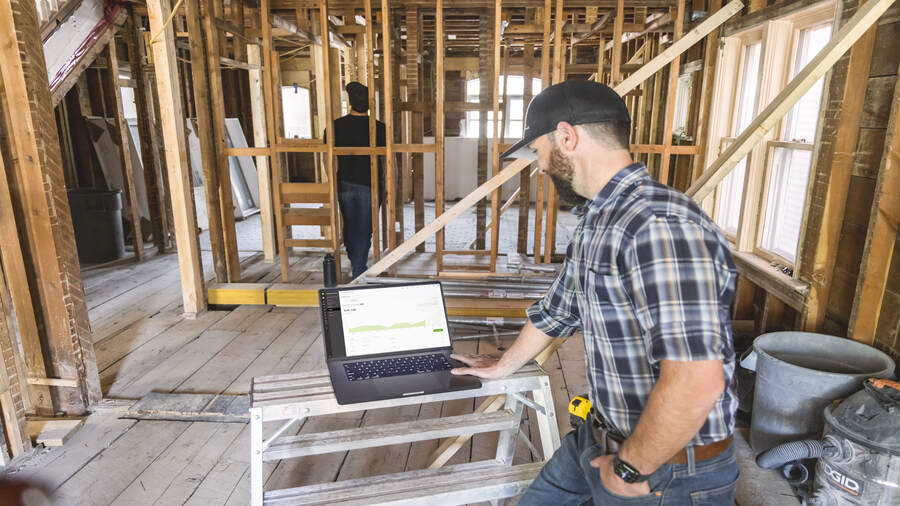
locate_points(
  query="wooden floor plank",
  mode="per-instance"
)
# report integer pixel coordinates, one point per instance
(181, 488)
(53, 466)
(225, 366)
(112, 470)
(138, 363)
(155, 479)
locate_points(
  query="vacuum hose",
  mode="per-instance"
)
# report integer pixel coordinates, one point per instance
(795, 450)
(795, 473)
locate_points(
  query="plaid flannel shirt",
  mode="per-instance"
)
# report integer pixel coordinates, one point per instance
(648, 277)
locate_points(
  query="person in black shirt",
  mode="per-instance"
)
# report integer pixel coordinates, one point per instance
(354, 178)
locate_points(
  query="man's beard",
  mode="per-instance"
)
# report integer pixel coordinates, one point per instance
(562, 171)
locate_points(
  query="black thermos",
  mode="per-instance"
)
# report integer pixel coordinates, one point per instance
(328, 271)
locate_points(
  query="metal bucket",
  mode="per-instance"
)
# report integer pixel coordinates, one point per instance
(798, 374)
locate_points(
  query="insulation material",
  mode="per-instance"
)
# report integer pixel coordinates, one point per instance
(73, 38)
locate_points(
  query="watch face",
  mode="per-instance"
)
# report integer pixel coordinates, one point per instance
(626, 472)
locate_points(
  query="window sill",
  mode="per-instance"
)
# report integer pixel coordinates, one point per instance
(792, 292)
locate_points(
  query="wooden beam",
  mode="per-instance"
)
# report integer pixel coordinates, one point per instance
(387, 72)
(707, 86)
(682, 44)
(558, 77)
(174, 139)
(864, 17)
(820, 272)
(373, 159)
(670, 98)
(881, 235)
(38, 183)
(271, 97)
(112, 81)
(616, 73)
(596, 27)
(545, 82)
(147, 134)
(334, 218)
(214, 41)
(263, 177)
(20, 295)
(439, 129)
(200, 82)
(495, 140)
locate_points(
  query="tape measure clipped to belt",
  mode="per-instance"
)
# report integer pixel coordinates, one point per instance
(579, 410)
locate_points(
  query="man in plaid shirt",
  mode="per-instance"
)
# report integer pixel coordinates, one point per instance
(649, 280)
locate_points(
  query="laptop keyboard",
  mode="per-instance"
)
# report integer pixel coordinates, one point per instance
(383, 368)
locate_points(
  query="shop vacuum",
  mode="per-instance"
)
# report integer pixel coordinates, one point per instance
(858, 458)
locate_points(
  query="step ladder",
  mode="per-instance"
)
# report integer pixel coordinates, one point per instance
(289, 398)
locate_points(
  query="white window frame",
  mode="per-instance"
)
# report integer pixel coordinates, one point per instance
(780, 37)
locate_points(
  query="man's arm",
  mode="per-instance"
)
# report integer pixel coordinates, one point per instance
(530, 342)
(677, 407)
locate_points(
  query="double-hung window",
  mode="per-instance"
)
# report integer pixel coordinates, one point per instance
(789, 159)
(731, 190)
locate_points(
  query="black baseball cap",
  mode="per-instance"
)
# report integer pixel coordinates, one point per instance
(576, 102)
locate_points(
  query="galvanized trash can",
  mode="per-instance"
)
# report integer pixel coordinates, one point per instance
(798, 374)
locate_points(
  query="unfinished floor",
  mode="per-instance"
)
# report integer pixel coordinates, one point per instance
(144, 344)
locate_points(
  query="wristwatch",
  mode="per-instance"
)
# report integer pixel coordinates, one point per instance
(627, 472)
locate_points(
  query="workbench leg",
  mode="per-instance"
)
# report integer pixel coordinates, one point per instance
(256, 449)
(547, 424)
(506, 445)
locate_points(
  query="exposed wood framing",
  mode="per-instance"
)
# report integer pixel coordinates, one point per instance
(112, 82)
(39, 187)
(821, 271)
(21, 298)
(864, 17)
(151, 163)
(373, 160)
(616, 73)
(200, 80)
(172, 117)
(545, 81)
(264, 179)
(214, 40)
(495, 140)
(670, 98)
(707, 86)
(387, 72)
(334, 218)
(439, 124)
(559, 76)
(881, 236)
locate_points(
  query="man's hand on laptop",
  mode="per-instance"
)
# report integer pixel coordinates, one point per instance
(482, 366)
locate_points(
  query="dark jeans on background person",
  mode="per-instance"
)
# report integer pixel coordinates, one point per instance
(355, 201)
(569, 479)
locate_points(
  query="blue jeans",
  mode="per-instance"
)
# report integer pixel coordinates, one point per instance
(569, 479)
(355, 201)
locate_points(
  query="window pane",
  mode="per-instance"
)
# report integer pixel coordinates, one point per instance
(515, 108)
(788, 177)
(749, 87)
(472, 90)
(728, 198)
(516, 85)
(803, 117)
(515, 130)
(536, 85)
(295, 104)
(682, 102)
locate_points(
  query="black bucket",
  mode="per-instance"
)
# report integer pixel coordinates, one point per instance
(97, 220)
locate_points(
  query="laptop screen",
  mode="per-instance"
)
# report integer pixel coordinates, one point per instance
(393, 319)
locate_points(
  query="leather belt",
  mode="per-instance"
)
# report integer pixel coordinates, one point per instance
(701, 453)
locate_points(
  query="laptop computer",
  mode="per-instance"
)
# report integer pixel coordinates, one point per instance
(388, 341)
